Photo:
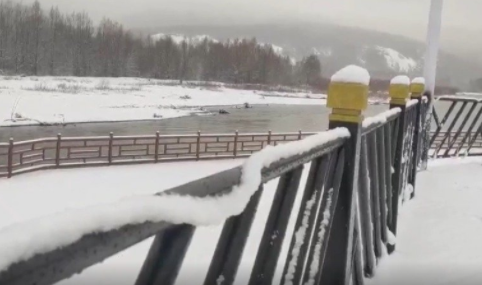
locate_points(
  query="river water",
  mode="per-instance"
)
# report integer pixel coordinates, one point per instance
(260, 118)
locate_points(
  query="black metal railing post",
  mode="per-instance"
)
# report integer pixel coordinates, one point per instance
(166, 256)
(275, 229)
(417, 87)
(229, 250)
(399, 95)
(348, 100)
(425, 146)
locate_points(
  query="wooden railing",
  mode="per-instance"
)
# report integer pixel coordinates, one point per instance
(64, 152)
(69, 152)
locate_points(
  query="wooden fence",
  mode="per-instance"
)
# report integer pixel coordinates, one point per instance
(47, 153)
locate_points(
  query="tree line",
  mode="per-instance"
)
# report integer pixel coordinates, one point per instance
(38, 42)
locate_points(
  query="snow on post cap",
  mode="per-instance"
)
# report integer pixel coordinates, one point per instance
(400, 80)
(419, 80)
(352, 74)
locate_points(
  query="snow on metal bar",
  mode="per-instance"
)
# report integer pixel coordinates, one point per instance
(412, 102)
(458, 98)
(380, 119)
(23, 241)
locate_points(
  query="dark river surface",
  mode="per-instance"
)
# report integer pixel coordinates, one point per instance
(260, 118)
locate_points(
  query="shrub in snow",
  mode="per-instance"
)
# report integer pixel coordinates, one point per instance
(185, 97)
(69, 88)
(104, 84)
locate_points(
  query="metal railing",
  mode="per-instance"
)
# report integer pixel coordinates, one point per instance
(459, 131)
(347, 215)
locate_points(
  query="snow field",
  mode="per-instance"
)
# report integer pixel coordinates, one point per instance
(59, 100)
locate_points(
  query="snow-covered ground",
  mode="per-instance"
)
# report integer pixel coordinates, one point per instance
(58, 100)
(439, 231)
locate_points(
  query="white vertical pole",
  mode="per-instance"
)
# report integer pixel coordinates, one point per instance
(433, 45)
(430, 68)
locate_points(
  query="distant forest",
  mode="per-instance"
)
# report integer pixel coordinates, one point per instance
(39, 42)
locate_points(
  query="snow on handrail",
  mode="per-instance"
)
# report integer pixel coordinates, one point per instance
(458, 98)
(412, 103)
(375, 121)
(22, 241)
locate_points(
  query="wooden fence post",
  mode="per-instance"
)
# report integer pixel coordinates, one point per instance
(299, 135)
(57, 150)
(269, 137)
(156, 147)
(111, 143)
(417, 87)
(348, 98)
(235, 150)
(399, 95)
(10, 158)
(198, 145)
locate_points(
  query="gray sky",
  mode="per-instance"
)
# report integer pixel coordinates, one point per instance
(462, 18)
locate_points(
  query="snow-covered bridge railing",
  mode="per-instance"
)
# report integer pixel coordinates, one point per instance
(459, 131)
(345, 221)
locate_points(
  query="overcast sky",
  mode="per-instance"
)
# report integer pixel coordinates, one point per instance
(462, 18)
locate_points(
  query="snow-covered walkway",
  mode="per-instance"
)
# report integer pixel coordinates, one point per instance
(440, 231)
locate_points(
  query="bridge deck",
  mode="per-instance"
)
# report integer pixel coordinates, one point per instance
(440, 230)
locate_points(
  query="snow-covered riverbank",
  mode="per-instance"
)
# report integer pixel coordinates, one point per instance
(61, 100)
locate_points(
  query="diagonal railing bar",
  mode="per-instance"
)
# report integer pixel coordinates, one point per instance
(467, 135)
(444, 120)
(452, 142)
(451, 126)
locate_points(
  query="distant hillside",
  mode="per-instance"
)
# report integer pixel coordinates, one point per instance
(385, 55)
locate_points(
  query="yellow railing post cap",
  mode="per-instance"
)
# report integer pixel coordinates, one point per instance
(349, 89)
(418, 86)
(399, 89)
(348, 93)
